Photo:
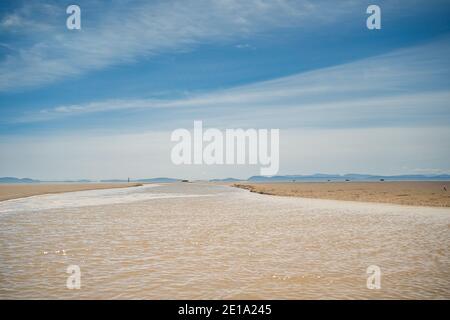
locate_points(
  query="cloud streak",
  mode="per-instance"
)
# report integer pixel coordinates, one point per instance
(124, 32)
(407, 85)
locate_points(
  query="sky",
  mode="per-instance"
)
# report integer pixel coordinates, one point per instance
(101, 102)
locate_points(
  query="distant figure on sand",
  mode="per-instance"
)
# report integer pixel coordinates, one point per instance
(445, 188)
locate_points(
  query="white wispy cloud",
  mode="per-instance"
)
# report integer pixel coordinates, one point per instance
(124, 31)
(403, 84)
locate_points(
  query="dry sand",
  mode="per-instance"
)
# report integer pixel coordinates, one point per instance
(416, 193)
(14, 191)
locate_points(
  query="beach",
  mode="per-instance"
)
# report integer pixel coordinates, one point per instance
(414, 193)
(15, 191)
(208, 241)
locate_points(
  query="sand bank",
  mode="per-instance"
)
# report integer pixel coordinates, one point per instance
(415, 193)
(14, 191)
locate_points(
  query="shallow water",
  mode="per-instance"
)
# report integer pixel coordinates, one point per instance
(202, 241)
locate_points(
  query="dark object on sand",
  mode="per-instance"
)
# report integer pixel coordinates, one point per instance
(184, 180)
(445, 188)
(381, 179)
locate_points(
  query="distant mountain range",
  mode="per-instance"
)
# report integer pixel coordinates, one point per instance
(350, 177)
(160, 180)
(226, 180)
(150, 180)
(28, 180)
(17, 180)
(287, 178)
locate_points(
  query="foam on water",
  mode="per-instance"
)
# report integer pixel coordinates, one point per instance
(86, 198)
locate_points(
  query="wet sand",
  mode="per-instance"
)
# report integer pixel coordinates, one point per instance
(415, 193)
(15, 191)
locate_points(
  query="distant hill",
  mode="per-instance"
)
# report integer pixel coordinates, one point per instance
(349, 177)
(226, 180)
(17, 180)
(149, 180)
(318, 177)
(28, 180)
(161, 180)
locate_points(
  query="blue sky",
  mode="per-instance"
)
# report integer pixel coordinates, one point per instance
(139, 69)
